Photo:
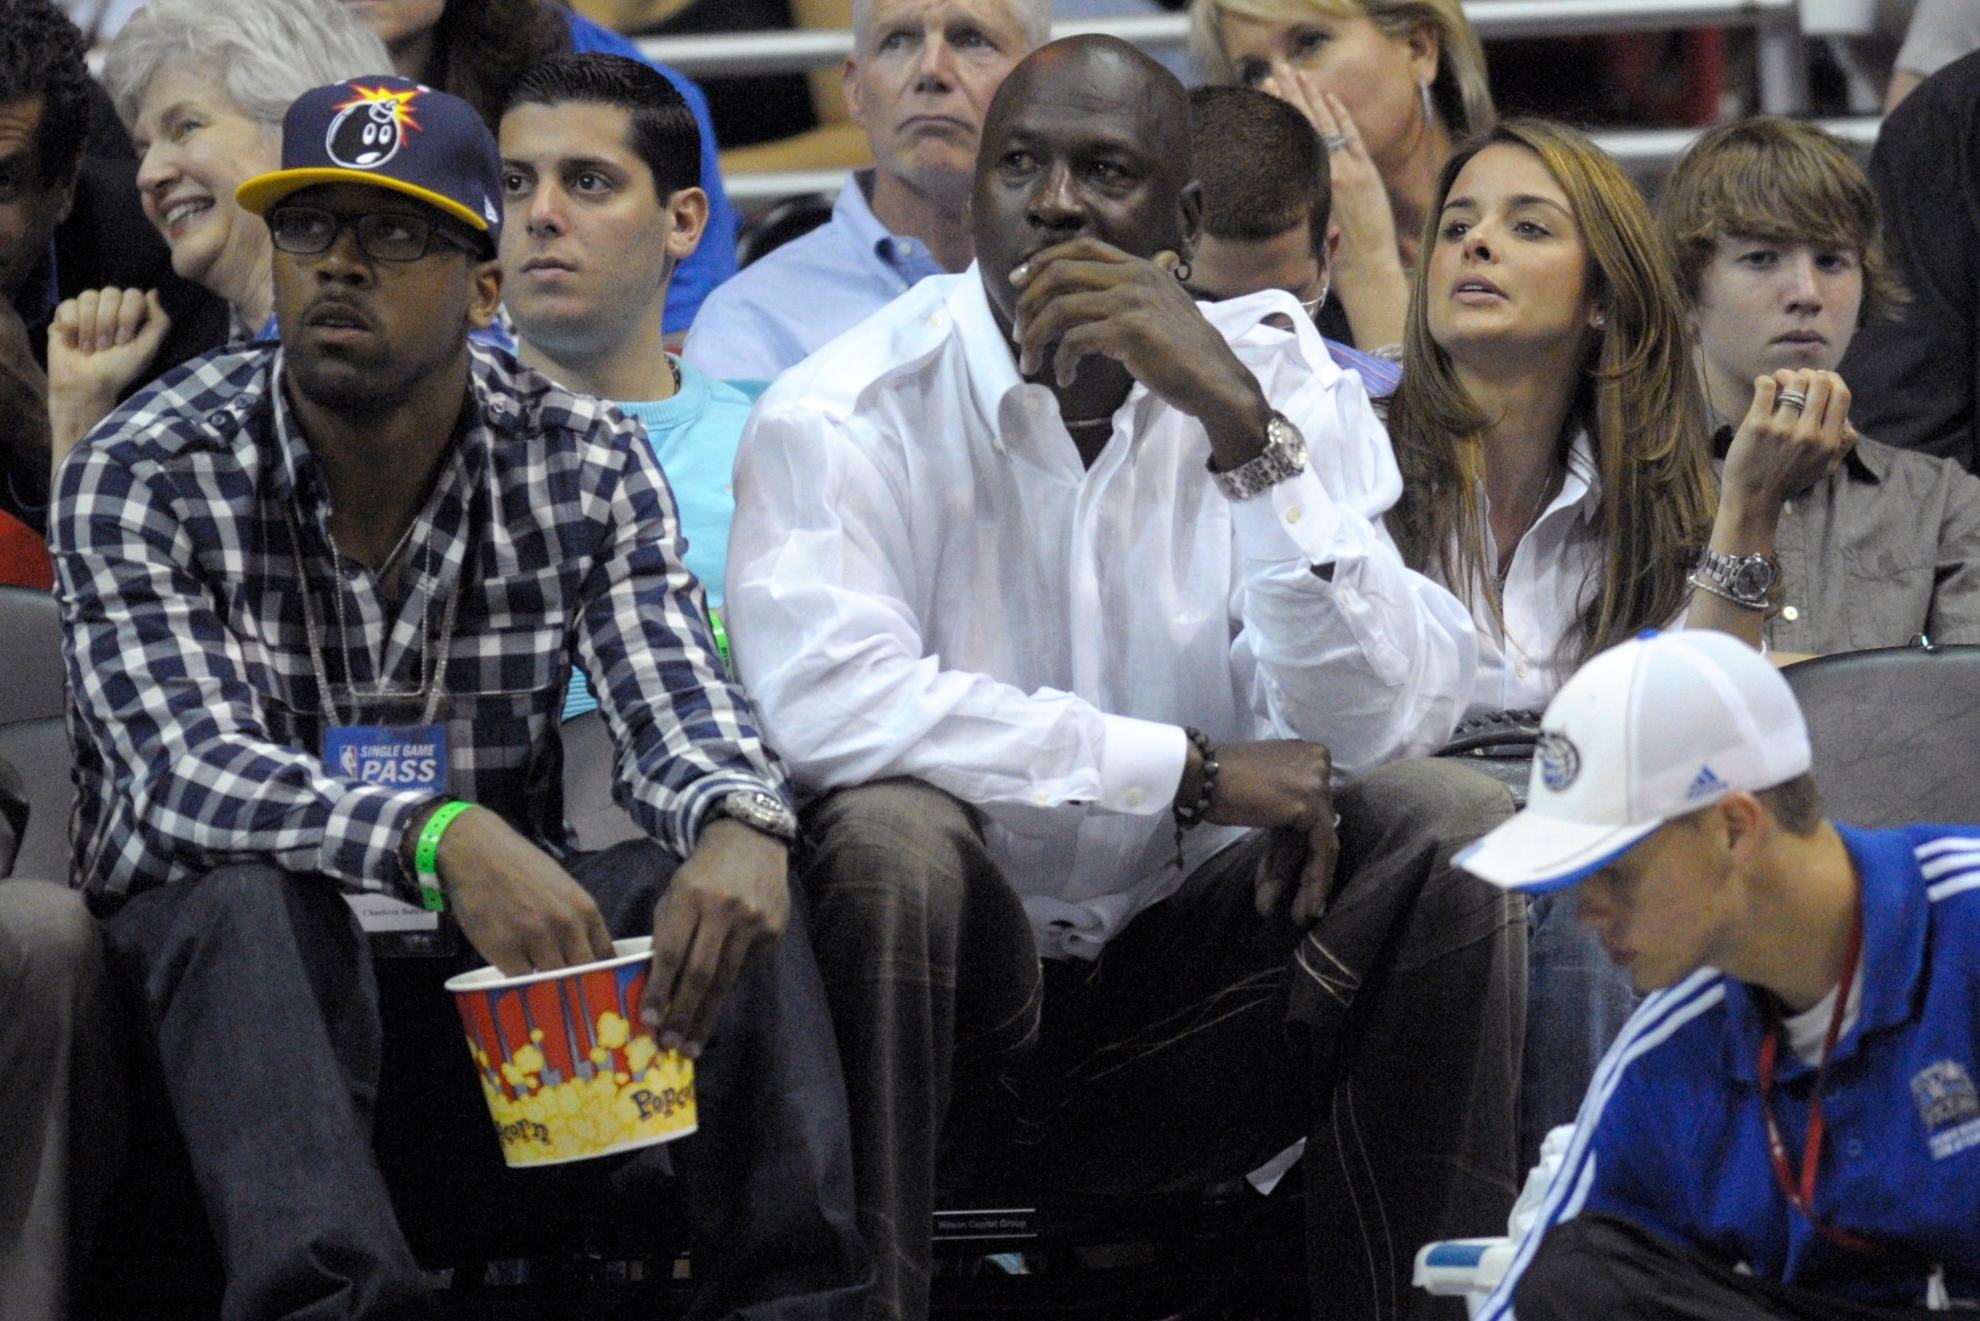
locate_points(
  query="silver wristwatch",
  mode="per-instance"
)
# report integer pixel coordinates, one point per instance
(1284, 456)
(759, 811)
(1745, 580)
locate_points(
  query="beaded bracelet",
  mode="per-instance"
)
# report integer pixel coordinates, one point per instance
(426, 856)
(1191, 816)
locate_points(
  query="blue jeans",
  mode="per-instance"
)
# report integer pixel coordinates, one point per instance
(264, 1009)
(1577, 999)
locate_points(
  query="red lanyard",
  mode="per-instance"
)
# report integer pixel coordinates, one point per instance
(1802, 1196)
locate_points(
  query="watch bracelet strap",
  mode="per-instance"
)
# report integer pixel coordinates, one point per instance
(719, 810)
(1704, 584)
(426, 855)
(1717, 566)
(1273, 464)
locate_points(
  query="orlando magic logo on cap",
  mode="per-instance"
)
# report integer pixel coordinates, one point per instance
(1648, 731)
(1559, 761)
(390, 133)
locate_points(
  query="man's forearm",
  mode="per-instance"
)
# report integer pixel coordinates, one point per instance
(1235, 418)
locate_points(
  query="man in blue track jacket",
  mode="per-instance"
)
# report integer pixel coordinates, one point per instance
(1789, 1126)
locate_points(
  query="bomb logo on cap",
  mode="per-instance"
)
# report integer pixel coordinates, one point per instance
(370, 127)
(1559, 760)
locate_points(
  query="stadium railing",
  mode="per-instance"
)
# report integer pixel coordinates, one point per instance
(1781, 70)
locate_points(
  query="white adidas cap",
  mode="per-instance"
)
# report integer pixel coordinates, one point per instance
(1660, 726)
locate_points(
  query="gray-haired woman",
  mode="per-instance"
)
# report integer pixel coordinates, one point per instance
(203, 86)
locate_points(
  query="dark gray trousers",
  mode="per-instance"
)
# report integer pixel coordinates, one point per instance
(263, 1006)
(64, 1114)
(1608, 1269)
(1204, 1040)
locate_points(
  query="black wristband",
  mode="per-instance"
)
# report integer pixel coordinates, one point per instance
(409, 838)
(1189, 816)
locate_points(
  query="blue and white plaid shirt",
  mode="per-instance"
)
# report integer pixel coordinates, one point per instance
(197, 715)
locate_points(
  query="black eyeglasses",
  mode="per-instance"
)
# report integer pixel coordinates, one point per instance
(382, 236)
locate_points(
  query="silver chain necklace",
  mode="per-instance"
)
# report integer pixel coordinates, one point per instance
(385, 569)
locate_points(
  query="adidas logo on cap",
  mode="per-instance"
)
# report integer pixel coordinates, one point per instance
(1705, 783)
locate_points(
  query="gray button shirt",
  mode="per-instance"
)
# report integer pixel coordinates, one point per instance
(1886, 549)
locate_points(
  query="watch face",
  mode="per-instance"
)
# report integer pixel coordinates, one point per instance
(1284, 434)
(1752, 578)
(761, 811)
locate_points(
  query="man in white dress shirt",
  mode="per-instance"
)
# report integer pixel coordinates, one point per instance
(1066, 692)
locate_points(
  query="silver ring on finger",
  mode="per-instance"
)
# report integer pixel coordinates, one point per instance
(1333, 141)
(1795, 399)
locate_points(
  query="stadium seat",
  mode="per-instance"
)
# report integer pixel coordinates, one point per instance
(1893, 733)
(791, 218)
(33, 736)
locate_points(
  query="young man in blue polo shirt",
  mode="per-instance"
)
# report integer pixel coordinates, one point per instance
(601, 162)
(1788, 1126)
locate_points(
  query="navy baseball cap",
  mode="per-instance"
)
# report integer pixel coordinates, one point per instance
(390, 133)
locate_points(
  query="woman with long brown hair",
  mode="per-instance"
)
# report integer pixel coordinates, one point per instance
(1557, 475)
(1547, 370)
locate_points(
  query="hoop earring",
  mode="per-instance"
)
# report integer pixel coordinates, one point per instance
(1429, 109)
(1182, 272)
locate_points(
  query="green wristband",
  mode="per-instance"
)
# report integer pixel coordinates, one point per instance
(721, 640)
(426, 855)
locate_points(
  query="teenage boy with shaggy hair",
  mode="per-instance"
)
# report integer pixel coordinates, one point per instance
(1779, 245)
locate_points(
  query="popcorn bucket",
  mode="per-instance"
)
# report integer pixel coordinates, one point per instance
(568, 1069)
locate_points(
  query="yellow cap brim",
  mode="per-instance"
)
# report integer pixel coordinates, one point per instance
(265, 190)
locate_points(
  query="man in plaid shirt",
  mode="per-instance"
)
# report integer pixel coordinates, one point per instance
(272, 563)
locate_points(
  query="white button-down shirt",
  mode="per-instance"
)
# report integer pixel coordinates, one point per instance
(925, 580)
(1556, 569)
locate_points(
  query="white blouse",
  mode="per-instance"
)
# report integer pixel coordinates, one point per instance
(1555, 570)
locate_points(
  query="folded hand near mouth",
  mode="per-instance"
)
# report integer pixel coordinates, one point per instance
(100, 342)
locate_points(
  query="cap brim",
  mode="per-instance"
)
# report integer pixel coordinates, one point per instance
(265, 190)
(1536, 853)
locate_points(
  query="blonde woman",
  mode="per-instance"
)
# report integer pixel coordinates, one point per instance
(1557, 475)
(1393, 87)
(202, 85)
